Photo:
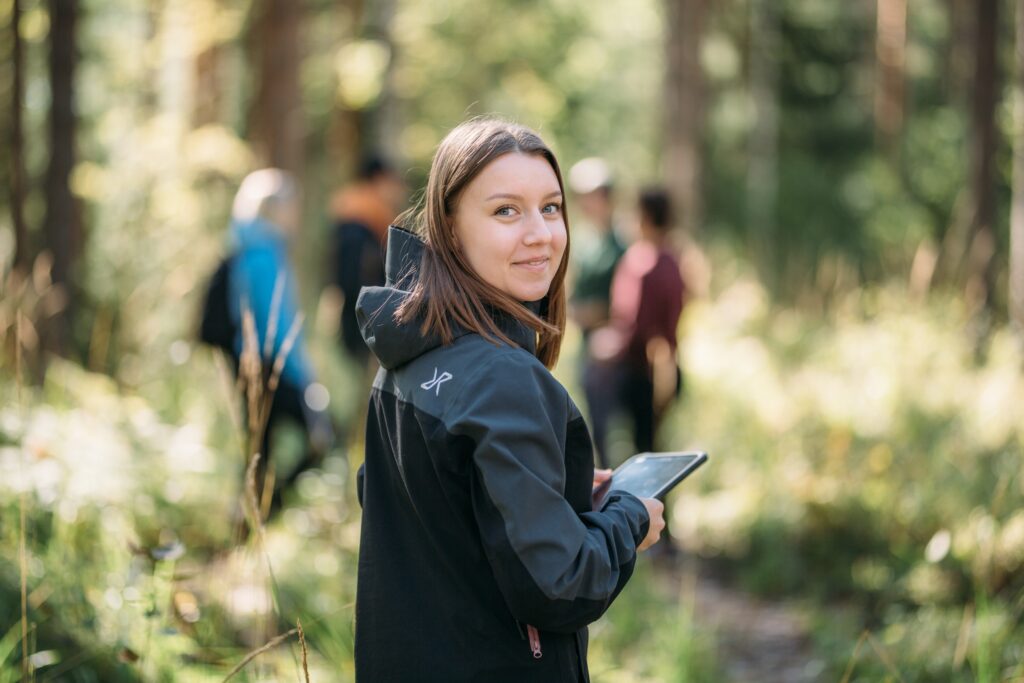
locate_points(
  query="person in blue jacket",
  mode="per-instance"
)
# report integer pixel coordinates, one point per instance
(265, 217)
(481, 556)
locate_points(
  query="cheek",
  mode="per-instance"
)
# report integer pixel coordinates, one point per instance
(559, 238)
(487, 253)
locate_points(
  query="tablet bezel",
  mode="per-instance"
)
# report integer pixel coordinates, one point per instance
(699, 458)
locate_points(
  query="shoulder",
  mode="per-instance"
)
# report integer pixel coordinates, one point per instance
(668, 269)
(509, 392)
(639, 259)
(471, 371)
(491, 368)
(484, 376)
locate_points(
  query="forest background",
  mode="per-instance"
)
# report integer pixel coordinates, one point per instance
(851, 183)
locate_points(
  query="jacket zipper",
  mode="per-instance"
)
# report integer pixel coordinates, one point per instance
(534, 641)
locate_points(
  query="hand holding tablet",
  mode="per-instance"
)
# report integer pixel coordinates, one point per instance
(649, 475)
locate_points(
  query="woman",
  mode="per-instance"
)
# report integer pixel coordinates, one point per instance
(481, 558)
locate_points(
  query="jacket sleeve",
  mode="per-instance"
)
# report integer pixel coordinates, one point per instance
(557, 569)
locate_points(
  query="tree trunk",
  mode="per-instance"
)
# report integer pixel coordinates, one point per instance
(762, 168)
(17, 161)
(208, 90)
(346, 139)
(684, 109)
(961, 18)
(61, 226)
(382, 126)
(890, 64)
(982, 244)
(1016, 293)
(278, 123)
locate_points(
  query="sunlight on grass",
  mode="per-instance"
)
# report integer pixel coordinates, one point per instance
(862, 460)
(843, 447)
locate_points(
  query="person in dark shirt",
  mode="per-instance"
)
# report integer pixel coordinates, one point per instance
(361, 213)
(647, 298)
(591, 182)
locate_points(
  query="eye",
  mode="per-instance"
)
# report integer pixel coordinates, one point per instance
(505, 211)
(552, 209)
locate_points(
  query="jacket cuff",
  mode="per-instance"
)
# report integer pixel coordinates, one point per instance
(633, 510)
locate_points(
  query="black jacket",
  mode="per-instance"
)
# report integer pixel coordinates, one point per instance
(478, 535)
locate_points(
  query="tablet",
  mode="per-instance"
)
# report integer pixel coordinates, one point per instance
(650, 475)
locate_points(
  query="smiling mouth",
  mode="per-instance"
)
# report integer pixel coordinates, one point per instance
(534, 263)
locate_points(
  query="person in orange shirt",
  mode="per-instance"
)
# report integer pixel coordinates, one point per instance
(361, 213)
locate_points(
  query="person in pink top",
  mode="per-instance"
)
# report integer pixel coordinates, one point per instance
(647, 298)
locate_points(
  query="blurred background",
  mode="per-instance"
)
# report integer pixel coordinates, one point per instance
(849, 186)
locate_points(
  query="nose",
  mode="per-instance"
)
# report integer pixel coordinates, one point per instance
(537, 230)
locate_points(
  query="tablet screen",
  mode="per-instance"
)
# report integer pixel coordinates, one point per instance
(652, 475)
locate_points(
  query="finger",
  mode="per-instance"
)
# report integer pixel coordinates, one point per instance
(601, 476)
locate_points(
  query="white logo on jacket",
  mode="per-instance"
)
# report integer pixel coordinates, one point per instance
(436, 382)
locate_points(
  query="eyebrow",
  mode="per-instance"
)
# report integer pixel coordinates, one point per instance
(502, 195)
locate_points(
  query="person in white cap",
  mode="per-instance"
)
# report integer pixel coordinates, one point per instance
(591, 183)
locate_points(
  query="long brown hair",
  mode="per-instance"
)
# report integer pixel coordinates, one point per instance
(448, 290)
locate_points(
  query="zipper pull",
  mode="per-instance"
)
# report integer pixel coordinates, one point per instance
(534, 641)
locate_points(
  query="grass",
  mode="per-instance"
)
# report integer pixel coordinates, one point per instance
(865, 459)
(137, 625)
(862, 461)
(158, 589)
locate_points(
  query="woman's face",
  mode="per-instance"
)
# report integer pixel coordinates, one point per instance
(509, 225)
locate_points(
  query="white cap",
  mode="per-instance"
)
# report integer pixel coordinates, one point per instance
(589, 175)
(260, 190)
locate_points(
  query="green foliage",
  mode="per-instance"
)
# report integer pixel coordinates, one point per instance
(113, 497)
(156, 180)
(570, 69)
(136, 575)
(861, 455)
(863, 458)
(650, 633)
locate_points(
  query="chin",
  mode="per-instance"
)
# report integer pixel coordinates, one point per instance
(531, 293)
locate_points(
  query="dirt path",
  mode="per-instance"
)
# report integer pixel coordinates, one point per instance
(758, 641)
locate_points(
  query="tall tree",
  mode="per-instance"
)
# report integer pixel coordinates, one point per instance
(277, 118)
(982, 244)
(348, 126)
(365, 120)
(208, 87)
(1016, 293)
(382, 125)
(762, 169)
(17, 160)
(684, 108)
(890, 63)
(61, 225)
(960, 18)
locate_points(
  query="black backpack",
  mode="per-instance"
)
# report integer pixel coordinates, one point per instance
(216, 327)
